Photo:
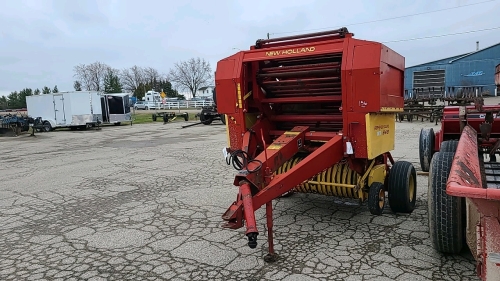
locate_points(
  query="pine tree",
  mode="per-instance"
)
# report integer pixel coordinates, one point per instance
(112, 83)
(45, 90)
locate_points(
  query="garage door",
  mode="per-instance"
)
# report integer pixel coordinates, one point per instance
(429, 79)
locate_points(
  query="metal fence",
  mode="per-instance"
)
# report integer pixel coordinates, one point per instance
(183, 104)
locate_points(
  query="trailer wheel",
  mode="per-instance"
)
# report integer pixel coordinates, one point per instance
(402, 183)
(444, 211)
(449, 146)
(46, 126)
(154, 117)
(376, 198)
(426, 148)
(204, 119)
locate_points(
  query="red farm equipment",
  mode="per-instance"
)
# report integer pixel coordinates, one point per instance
(464, 182)
(313, 113)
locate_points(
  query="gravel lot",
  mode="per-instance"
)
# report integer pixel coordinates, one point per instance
(144, 202)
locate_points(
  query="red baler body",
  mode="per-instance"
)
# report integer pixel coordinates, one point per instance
(325, 96)
(339, 78)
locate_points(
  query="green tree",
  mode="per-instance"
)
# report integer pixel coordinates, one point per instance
(36, 92)
(55, 90)
(77, 85)
(112, 83)
(45, 90)
(14, 101)
(4, 102)
(141, 90)
(22, 96)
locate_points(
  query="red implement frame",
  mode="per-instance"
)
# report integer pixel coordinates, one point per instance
(466, 180)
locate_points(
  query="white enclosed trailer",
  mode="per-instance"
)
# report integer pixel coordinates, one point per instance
(66, 109)
(115, 108)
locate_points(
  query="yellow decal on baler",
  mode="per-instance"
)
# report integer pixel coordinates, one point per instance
(247, 95)
(227, 131)
(290, 51)
(274, 146)
(380, 133)
(391, 109)
(240, 104)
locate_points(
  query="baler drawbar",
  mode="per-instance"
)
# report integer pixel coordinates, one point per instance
(313, 113)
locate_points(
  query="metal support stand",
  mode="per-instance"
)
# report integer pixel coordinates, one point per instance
(271, 256)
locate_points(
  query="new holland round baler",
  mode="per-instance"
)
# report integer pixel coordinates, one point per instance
(313, 113)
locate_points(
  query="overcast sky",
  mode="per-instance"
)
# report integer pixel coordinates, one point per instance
(41, 40)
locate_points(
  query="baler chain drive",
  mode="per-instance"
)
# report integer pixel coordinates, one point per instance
(312, 113)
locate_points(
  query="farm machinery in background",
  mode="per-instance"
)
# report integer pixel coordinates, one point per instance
(208, 114)
(313, 113)
(464, 184)
(17, 123)
(429, 103)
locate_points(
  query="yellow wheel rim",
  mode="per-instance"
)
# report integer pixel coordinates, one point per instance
(411, 188)
(381, 198)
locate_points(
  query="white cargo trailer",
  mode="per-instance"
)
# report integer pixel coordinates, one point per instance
(66, 109)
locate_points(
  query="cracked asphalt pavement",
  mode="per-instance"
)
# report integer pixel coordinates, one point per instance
(144, 202)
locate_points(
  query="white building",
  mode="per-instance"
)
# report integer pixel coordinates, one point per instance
(205, 92)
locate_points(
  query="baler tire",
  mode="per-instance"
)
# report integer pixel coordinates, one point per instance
(426, 148)
(444, 211)
(154, 117)
(449, 146)
(186, 116)
(376, 198)
(223, 118)
(402, 187)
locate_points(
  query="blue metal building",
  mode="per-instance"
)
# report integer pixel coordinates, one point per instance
(467, 73)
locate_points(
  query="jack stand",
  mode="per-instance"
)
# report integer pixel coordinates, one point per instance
(271, 256)
(32, 132)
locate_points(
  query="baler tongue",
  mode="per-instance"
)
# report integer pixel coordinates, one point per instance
(260, 186)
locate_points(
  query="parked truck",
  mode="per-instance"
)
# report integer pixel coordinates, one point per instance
(78, 109)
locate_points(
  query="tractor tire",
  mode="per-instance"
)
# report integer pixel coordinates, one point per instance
(204, 119)
(402, 187)
(223, 118)
(46, 126)
(154, 117)
(376, 198)
(449, 146)
(426, 148)
(444, 211)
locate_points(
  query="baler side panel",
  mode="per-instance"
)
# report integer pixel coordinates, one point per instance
(366, 79)
(229, 98)
(357, 133)
(380, 133)
(392, 68)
